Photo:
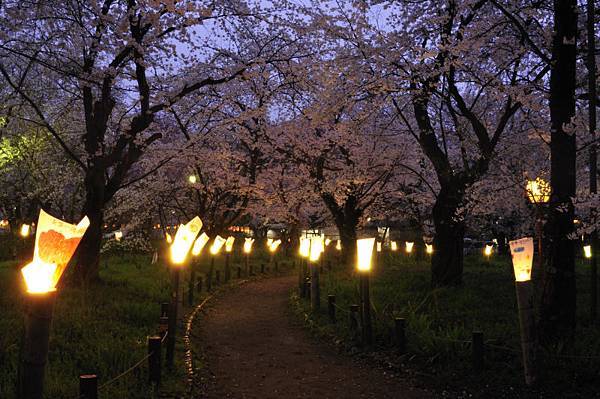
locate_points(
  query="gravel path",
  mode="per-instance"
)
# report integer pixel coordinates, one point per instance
(254, 349)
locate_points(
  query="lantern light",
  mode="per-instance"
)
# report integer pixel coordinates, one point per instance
(338, 245)
(269, 242)
(168, 238)
(184, 239)
(118, 235)
(409, 246)
(316, 247)
(587, 251)
(274, 245)
(538, 191)
(327, 242)
(394, 246)
(229, 244)
(378, 247)
(248, 245)
(364, 251)
(55, 243)
(199, 244)
(487, 251)
(217, 244)
(192, 179)
(429, 248)
(25, 230)
(522, 258)
(304, 247)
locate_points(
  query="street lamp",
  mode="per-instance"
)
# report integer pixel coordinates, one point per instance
(55, 244)
(364, 255)
(538, 193)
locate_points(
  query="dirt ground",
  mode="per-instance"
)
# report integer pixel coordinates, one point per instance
(255, 349)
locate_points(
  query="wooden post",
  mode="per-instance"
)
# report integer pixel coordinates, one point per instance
(38, 320)
(163, 326)
(239, 272)
(210, 273)
(331, 307)
(191, 287)
(354, 317)
(175, 272)
(367, 328)
(528, 333)
(276, 266)
(247, 264)
(262, 267)
(315, 289)
(400, 329)
(199, 284)
(217, 277)
(154, 350)
(88, 386)
(478, 351)
(227, 267)
(594, 291)
(164, 309)
(301, 291)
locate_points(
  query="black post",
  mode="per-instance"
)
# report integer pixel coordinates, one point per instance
(163, 325)
(217, 277)
(400, 327)
(154, 350)
(301, 279)
(478, 351)
(262, 267)
(247, 264)
(315, 289)
(367, 332)
(210, 274)
(35, 346)
(199, 284)
(227, 267)
(239, 272)
(88, 386)
(191, 287)
(594, 290)
(331, 307)
(175, 273)
(354, 317)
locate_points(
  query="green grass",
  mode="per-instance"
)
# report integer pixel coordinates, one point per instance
(103, 329)
(440, 321)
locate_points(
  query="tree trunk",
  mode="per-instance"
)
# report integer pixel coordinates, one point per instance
(448, 242)
(347, 230)
(557, 313)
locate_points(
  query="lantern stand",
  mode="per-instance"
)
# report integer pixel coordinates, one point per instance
(40, 307)
(365, 294)
(175, 276)
(227, 267)
(315, 290)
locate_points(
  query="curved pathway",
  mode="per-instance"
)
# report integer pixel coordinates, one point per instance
(254, 349)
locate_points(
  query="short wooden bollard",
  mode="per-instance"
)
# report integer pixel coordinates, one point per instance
(331, 307)
(239, 272)
(164, 309)
(163, 325)
(354, 317)
(400, 329)
(305, 287)
(478, 351)
(262, 267)
(88, 386)
(199, 284)
(218, 277)
(154, 350)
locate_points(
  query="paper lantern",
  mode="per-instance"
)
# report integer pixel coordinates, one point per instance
(248, 245)
(587, 251)
(338, 245)
(409, 246)
(522, 258)
(274, 245)
(199, 244)
(538, 191)
(217, 244)
(25, 230)
(184, 239)
(429, 248)
(55, 244)
(378, 247)
(394, 246)
(269, 242)
(316, 248)
(304, 247)
(118, 235)
(487, 251)
(327, 242)
(229, 243)
(192, 179)
(364, 254)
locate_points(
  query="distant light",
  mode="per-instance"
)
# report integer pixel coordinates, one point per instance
(364, 250)
(118, 235)
(274, 245)
(304, 247)
(409, 246)
(378, 247)
(429, 248)
(229, 243)
(487, 251)
(25, 230)
(217, 244)
(587, 251)
(192, 179)
(394, 246)
(327, 242)
(248, 245)
(338, 245)
(538, 191)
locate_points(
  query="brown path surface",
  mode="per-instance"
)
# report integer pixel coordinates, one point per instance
(254, 349)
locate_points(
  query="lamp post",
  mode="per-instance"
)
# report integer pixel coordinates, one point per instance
(522, 259)
(316, 248)
(247, 250)
(182, 243)
(364, 254)
(538, 193)
(228, 249)
(56, 242)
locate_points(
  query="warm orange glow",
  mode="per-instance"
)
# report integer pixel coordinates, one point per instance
(316, 248)
(327, 242)
(587, 251)
(338, 245)
(429, 248)
(217, 244)
(378, 247)
(168, 238)
(248, 245)
(229, 243)
(364, 254)
(199, 244)
(394, 246)
(39, 277)
(192, 179)
(487, 251)
(522, 258)
(269, 242)
(25, 230)
(538, 191)
(408, 245)
(274, 245)
(184, 239)
(304, 247)
(118, 235)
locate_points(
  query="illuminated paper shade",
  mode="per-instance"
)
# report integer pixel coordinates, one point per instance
(538, 191)
(199, 244)
(217, 244)
(587, 251)
(25, 230)
(118, 235)
(316, 247)
(274, 245)
(269, 242)
(248, 245)
(338, 245)
(327, 242)
(184, 239)
(168, 238)
(364, 253)
(229, 243)
(522, 258)
(408, 245)
(487, 251)
(304, 247)
(429, 248)
(394, 246)
(378, 247)
(55, 244)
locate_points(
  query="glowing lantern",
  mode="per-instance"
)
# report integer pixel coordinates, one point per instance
(269, 242)
(378, 247)
(168, 238)
(316, 247)
(538, 191)
(429, 248)
(304, 247)
(55, 243)
(364, 252)
(394, 246)
(25, 230)
(118, 235)
(338, 245)
(487, 251)
(248, 245)
(587, 251)
(184, 239)
(327, 242)
(409, 246)
(274, 245)
(192, 179)
(217, 244)
(522, 258)
(199, 244)
(229, 244)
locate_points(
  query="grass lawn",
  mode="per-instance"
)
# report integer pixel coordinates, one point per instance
(440, 321)
(100, 330)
